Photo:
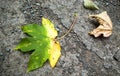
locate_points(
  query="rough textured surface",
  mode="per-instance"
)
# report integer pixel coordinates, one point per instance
(82, 55)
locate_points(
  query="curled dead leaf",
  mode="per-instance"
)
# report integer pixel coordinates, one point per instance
(105, 27)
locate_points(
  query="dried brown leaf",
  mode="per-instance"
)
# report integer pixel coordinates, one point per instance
(105, 26)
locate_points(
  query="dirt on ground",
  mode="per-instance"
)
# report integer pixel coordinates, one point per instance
(82, 54)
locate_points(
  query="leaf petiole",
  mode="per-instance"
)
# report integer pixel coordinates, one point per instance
(71, 27)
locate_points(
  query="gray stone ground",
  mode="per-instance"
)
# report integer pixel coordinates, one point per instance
(82, 55)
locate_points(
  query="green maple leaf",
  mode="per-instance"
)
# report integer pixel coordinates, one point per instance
(40, 40)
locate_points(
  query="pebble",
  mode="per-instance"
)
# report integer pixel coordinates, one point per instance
(84, 73)
(117, 56)
(107, 65)
(107, 4)
(1, 54)
(57, 28)
(8, 49)
(25, 12)
(38, 4)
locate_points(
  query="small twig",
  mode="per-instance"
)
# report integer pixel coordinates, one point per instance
(72, 25)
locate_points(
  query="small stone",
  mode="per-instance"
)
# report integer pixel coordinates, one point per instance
(38, 4)
(57, 28)
(25, 12)
(107, 65)
(100, 54)
(84, 73)
(1, 54)
(8, 49)
(107, 4)
(117, 56)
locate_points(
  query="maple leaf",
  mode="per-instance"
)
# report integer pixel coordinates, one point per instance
(40, 40)
(90, 5)
(105, 26)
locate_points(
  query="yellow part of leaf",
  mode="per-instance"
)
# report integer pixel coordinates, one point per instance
(54, 53)
(54, 50)
(49, 26)
(105, 26)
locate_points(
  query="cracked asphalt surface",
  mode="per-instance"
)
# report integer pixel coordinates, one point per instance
(82, 55)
